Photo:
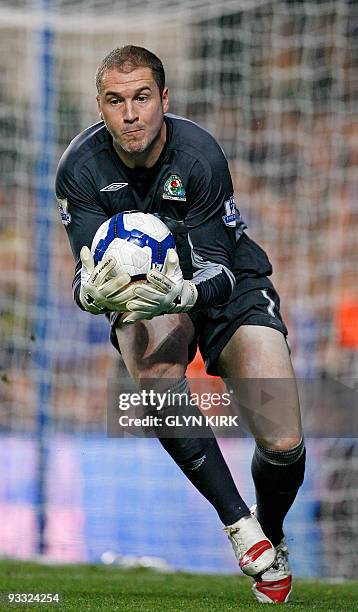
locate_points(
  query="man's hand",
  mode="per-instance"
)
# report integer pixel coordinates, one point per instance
(165, 292)
(102, 289)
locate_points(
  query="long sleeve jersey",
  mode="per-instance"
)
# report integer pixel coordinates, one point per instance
(189, 188)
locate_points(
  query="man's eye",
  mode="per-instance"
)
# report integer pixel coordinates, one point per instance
(114, 102)
(142, 98)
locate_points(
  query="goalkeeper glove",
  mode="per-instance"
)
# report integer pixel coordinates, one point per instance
(101, 288)
(165, 292)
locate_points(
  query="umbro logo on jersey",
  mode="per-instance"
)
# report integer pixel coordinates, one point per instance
(114, 186)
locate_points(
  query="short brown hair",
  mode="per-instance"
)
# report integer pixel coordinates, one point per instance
(126, 59)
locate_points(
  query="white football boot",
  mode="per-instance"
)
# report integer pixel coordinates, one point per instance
(252, 548)
(275, 585)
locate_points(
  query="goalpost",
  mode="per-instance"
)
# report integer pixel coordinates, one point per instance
(276, 83)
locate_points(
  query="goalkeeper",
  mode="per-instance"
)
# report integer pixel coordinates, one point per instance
(139, 157)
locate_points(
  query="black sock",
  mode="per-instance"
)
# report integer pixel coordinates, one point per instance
(201, 460)
(209, 473)
(277, 476)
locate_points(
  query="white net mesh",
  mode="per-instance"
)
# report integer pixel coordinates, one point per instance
(277, 84)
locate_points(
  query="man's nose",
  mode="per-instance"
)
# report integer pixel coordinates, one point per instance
(130, 114)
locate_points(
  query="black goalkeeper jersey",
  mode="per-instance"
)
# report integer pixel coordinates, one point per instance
(189, 188)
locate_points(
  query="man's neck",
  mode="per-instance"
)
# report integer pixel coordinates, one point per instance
(148, 158)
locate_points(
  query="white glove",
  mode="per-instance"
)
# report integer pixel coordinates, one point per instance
(165, 292)
(101, 288)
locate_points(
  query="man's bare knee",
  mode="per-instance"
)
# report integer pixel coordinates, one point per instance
(159, 374)
(279, 444)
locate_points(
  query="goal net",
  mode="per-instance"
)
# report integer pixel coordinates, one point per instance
(277, 83)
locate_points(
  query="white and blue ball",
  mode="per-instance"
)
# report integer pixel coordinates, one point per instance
(138, 241)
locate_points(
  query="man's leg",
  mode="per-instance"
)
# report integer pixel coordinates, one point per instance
(156, 354)
(257, 362)
(261, 353)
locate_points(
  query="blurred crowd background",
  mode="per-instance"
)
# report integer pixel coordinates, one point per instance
(277, 84)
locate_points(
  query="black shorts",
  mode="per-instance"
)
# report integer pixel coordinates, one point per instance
(258, 305)
(254, 301)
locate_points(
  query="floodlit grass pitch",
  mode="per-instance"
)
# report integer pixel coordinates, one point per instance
(96, 587)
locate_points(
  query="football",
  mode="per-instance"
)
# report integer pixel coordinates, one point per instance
(138, 241)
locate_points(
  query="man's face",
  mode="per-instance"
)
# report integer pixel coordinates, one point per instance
(132, 108)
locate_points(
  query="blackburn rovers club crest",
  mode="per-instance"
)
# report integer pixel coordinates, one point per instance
(64, 214)
(174, 189)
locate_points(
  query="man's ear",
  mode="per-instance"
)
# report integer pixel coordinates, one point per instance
(99, 106)
(165, 100)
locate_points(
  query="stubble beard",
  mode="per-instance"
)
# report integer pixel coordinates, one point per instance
(134, 147)
(137, 148)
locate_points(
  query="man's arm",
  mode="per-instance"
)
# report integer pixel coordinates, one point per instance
(211, 222)
(96, 289)
(80, 214)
